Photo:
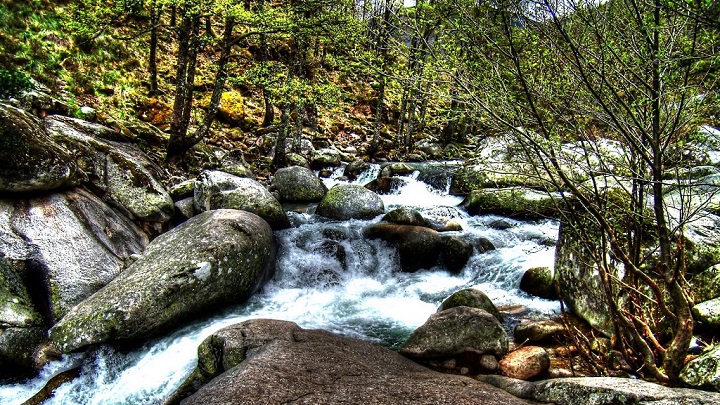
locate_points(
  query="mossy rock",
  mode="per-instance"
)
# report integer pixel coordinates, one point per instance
(706, 285)
(29, 159)
(232, 108)
(298, 184)
(516, 202)
(16, 350)
(350, 201)
(540, 282)
(217, 190)
(405, 216)
(457, 331)
(214, 259)
(708, 312)
(704, 371)
(473, 298)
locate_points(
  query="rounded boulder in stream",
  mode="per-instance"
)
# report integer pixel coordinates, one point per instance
(217, 258)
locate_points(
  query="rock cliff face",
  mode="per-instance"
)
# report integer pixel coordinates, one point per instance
(215, 258)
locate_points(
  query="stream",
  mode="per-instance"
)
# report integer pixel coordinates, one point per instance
(328, 277)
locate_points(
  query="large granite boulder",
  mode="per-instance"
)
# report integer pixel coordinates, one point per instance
(216, 190)
(600, 391)
(216, 258)
(275, 362)
(704, 371)
(64, 246)
(473, 298)
(418, 247)
(298, 184)
(119, 173)
(576, 271)
(457, 331)
(350, 201)
(29, 159)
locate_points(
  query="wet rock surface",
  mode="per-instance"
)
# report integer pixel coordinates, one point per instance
(276, 362)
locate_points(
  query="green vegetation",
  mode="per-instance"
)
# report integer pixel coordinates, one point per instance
(12, 82)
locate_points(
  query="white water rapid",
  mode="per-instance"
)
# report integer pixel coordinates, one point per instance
(328, 277)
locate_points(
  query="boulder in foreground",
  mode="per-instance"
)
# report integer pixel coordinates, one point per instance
(276, 362)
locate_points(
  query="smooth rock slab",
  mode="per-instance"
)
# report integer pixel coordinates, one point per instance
(276, 362)
(214, 259)
(118, 172)
(69, 245)
(600, 391)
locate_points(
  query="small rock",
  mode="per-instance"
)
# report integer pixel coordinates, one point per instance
(539, 331)
(484, 245)
(525, 363)
(471, 297)
(456, 253)
(488, 362)
(539, 281)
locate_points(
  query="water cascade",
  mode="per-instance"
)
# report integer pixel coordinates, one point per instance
(328, 277)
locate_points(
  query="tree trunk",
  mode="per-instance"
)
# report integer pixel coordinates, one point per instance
(152, 62)
(279, 158)
(269, 116)
(189, 43)
(220, 79)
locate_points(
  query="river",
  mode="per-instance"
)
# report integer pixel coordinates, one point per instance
(359, 293)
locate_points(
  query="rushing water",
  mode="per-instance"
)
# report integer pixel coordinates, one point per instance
(327, 277)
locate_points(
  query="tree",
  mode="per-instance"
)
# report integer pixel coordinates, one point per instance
(625, 70)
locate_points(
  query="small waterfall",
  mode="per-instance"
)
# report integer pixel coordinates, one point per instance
(329, 277)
